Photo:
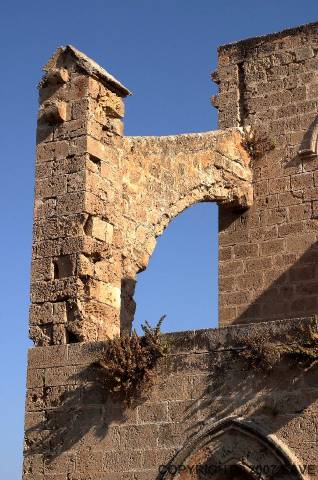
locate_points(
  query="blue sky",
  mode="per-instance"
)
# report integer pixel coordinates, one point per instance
(164, 52)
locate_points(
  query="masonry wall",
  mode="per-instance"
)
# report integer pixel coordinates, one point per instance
(268, 255)
(102, 199)
(207, 403)
(77, 197)
(74, 431)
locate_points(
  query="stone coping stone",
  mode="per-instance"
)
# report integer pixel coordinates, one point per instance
(251, 42)
(180, 343)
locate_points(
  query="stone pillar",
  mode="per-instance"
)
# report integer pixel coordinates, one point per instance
(76, 262)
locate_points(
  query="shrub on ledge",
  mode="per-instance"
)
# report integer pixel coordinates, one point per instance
(264, 354)
(129, 362)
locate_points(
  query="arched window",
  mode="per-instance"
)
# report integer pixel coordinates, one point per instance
(181, 279)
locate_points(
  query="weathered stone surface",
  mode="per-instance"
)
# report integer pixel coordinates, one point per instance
(72, 428)
(269, 83)
(102, 199)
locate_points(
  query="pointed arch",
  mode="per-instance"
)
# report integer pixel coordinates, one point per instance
(235, 443)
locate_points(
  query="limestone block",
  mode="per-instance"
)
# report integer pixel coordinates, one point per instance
(85, 266)
(112, 104)
(41, 314)
(51, 187)
(94, 205)
(71, 203)
(70, 129)
(101, 230)
(54, 113)
(55, 290)
(52, 151)
(96, 149)
(95, 327)
(105, 293)
(42, 269)
(108, 270)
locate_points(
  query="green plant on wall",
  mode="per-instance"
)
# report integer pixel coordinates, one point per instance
(128, 364)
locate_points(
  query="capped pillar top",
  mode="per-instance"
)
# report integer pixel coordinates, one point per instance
(86, 64)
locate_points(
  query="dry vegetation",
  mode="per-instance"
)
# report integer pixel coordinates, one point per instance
(263, 354)
(129, 362)
(257, 143)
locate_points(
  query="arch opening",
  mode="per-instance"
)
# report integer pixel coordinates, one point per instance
(181, 279)
(234, 448)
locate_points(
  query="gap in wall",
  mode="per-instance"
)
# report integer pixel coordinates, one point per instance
(181, 280)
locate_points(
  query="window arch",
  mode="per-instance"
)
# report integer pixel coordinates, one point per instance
(181, 280)
(241, 447)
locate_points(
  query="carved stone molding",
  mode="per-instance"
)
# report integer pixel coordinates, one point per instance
(234, 448)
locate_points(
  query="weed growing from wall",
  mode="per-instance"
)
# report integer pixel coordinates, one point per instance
(257, 143)
(128, 365)
(261, 353)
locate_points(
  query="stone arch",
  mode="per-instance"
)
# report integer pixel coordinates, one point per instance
(102, 198)
(197, 195)
(186, 255)
(163, 176)
(234, 443)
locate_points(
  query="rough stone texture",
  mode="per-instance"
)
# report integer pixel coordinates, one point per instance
(206, 407)
(101, 199)
(268, 255)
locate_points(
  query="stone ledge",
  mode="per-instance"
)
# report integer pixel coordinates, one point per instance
(187, 342)
(253, 41)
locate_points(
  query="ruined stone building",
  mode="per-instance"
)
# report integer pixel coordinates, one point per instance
(102, 199)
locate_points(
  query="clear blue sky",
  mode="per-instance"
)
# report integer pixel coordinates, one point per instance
(163, 51)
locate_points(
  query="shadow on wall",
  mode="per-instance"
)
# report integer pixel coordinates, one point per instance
(281, 402)
(76, 414)
(288, 281)
(292, 294)
(181, 280)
